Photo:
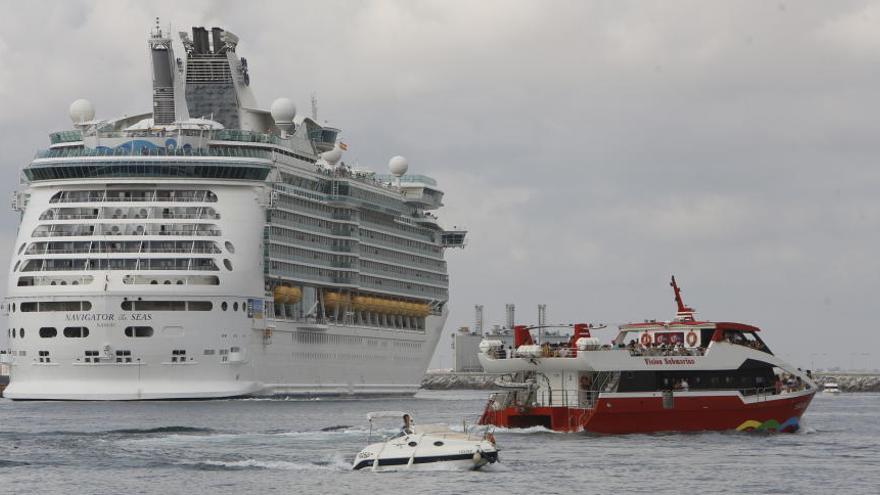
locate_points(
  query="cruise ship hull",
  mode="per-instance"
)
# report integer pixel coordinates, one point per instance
(295, 361)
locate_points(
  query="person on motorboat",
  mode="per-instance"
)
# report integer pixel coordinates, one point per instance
(407, 428)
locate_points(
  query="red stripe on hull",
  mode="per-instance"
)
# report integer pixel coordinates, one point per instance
(647, 414)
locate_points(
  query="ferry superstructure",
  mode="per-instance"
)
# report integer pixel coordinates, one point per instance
(679, 375)
(211, 249)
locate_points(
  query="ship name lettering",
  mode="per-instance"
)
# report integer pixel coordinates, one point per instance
(90, 317)
(669, 360)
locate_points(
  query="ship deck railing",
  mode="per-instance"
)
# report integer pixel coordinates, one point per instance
(565, 351)
(154, 152)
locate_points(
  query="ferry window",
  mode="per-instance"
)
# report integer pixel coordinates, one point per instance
(76, 332)
(227, 264)
(224, 306)
(243, 307)
(15, 268)
(138, 331)
(229, 247)
(48, 332)
(23, 246)
(235, 306)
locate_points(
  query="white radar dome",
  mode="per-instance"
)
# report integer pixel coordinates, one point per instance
(82, 111)
(283, 110)
(332, 156)
(398, 166)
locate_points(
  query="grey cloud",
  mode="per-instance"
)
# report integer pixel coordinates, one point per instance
(592, 148)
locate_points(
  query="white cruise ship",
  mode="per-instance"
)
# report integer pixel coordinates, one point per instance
(211, 249)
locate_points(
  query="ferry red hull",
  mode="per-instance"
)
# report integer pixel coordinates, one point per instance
(647, 414)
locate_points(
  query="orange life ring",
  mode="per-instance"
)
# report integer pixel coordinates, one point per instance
(646, 338)
(692, 338)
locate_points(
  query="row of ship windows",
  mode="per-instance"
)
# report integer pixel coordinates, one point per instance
(125, 356)
(68, 306)
(397, 242)
(398, 257)
(33, 281)
(73, 247)
(82, 229)
(396, 285)
(187, 212)
(315, 338)
(280, 251)
(372, 197)
(61, 264)
(341, 277)
(326, 356)
(331, 228)
(98, 195)
(295, 220)
(404, 271)
(319, 241)
(387, 223)
(294, 203)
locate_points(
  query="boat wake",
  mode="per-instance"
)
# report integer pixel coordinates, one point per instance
(334, 463)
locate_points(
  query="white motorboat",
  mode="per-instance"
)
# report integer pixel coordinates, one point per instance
(420, 446)
(831, 388)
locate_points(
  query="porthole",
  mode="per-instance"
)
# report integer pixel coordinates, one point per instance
(229, 247)
(154, 282)
(235, 306)
(412, 444)
(76, 332)
(167, 282)
(227, 264)
(243, 307)
(21, 333)
(224, 306)
(180, 282)
(138, 331)
(48, 332)
(438, 443)
(13, 307)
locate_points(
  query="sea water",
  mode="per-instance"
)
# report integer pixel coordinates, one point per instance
(259, 446)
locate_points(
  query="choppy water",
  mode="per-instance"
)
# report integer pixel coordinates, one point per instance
(278, 446)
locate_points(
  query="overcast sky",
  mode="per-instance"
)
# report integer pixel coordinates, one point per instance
(591, 148)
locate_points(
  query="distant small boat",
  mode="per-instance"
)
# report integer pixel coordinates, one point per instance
(831, 388)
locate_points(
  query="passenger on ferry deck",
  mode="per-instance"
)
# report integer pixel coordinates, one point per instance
(683, 385)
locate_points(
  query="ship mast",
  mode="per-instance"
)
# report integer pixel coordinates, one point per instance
(684, 313)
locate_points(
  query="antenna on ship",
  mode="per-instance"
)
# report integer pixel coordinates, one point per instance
(684, 313)
(315, 106)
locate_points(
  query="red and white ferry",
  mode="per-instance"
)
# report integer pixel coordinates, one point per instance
(680, 375)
